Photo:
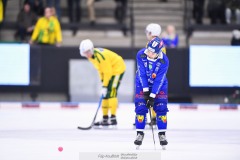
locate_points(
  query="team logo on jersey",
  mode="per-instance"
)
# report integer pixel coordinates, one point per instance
(145, 64)
(150, 66)
(140, 118)
(163, 119)
(154, 75)
(162, 61)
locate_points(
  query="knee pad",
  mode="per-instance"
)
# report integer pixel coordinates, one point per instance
(162, 121)
(140, 121)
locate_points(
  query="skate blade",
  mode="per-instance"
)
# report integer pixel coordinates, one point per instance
(137, 147)
(109, 127)
(164, 147)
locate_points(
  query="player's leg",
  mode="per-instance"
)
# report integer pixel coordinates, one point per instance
(140, 119)
(105, 109)
(112, 96)
(161, 110)
(110, 102)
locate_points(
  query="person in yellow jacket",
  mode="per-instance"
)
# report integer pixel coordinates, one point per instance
(2, 9)
(47, 30)
(111, 68)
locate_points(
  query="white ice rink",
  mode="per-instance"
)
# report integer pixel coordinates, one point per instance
(36, 134)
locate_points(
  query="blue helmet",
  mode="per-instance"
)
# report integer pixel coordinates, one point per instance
(155, 45)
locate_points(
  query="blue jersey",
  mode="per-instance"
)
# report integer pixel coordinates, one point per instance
(151, 76)
(151, 73)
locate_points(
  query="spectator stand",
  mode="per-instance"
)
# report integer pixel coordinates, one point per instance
(107, 31)
(205, 33)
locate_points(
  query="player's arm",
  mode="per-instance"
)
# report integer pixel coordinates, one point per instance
(36, 31)
(159, 80)
(58, 31)
(157, 84)
(141, 71)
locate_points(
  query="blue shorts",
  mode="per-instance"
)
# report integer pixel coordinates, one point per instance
(160, 103)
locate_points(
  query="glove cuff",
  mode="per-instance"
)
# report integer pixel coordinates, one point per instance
(152, 95)
(145, 89)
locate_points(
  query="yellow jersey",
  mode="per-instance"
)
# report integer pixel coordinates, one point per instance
(108, 64)
(1, 11)
(47, 31)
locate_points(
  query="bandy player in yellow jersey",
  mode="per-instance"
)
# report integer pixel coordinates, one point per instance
(152, 31)
(111, 68)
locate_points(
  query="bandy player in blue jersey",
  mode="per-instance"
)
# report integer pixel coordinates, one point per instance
(151, 89)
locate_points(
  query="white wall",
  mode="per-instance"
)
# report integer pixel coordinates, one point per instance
(85, 85)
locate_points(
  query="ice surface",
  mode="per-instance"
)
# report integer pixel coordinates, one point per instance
(36, 134)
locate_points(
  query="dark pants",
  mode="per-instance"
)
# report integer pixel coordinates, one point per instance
(22, 33)
(198, 6)
(74, 11)
(120, 10)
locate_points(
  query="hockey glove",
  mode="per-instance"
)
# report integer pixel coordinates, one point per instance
(150, 102)
(146, 95)
(104, 91)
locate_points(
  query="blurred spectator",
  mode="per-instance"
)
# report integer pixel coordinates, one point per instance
(53, 12)
(216, 10)
(25, 22)
(1, 11)
(91, 12)
(198, 6)
(74, 13)
(169, 37)
(47, 30)
(3, 4)
(234, 98)
(235, 41)
(120, 10)
(232, 6)
(36, 6)
(56, 5)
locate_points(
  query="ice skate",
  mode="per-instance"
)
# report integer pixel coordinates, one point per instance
(103, 123)
(163, 141)
(139, 139)
(113, 122)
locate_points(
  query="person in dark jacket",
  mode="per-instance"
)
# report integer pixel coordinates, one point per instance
(26, 20)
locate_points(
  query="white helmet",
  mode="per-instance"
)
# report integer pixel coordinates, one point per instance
(85, 45)
(154, 29)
